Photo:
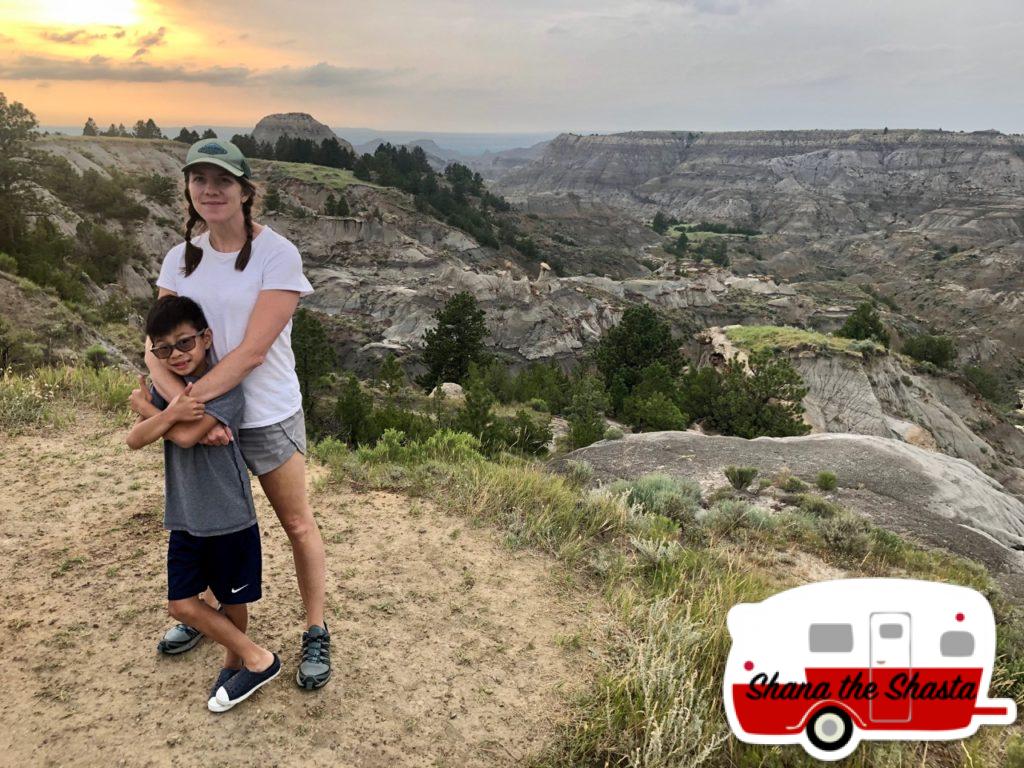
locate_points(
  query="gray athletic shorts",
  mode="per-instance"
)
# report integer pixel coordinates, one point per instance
(267, 448)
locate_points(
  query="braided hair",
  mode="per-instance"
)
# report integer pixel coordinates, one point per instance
(193, 253)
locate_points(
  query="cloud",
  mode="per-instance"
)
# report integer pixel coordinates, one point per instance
(74, 36)
(324, 75)
(102, 68)
(718, 7)
(145, 42)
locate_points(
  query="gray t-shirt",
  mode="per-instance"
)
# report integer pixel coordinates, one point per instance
(206, 487)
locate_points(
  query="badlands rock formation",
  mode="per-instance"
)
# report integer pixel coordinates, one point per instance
(297, 125)
(937, 499)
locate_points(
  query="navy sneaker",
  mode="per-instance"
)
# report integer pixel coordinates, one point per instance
(226, 674)
(315, 667)
(241, 686)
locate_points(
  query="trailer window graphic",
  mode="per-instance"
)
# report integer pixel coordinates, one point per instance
(830, 664)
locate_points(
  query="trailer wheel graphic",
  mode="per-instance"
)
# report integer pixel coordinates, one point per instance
(830, 729)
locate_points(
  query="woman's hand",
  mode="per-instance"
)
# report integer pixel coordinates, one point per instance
(140, 397)
(185, 407)
(218, 435)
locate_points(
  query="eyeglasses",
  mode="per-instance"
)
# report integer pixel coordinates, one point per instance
(184, 345)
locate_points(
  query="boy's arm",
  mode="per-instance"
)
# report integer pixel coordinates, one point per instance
(183, 408)
(148, 430)
(186, 434)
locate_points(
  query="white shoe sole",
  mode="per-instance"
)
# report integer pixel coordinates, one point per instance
(216, 705)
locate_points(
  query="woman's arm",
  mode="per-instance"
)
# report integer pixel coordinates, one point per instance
(269, 316)
(166, 382)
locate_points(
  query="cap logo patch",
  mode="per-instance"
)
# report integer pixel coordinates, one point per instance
(212, 149)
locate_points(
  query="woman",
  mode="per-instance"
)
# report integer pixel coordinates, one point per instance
(248, 280)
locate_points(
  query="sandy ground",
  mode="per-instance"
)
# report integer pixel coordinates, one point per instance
(449, 648)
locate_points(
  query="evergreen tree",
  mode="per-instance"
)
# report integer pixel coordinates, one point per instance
(314, 355)
(90, 128)
(767, 401)
(640, 339)
(123, 132)
(353, 412)
(938, 350)
(585, 412)
(17, 130)
(246, 144)
(456, 341)
(390, 375)
(660, 223)
(209, 133)
(864, 323)
(272, 200)
(476, 417)
(111, 131)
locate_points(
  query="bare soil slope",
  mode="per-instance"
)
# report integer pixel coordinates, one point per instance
(449, 648)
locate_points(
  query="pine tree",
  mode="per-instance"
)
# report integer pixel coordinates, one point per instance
(864, 323)
(390, 375)
(209, 134)
(624, 351)
(272, 200)
(586, 419)
(456, 341)
(660, 223)
(90, 128)
(314, 355)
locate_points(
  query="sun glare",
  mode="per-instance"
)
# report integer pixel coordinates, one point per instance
(87, 12)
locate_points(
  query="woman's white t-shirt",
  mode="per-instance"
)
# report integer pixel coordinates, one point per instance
(227, 297)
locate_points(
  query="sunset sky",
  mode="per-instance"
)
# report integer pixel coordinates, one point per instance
(528, 65)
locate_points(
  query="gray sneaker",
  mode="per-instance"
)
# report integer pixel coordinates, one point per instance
(178, 639)
(315, 667)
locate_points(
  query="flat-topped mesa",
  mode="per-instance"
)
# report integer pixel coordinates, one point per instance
(790, 181)
(296, 125)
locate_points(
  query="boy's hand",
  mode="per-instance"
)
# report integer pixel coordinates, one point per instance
(218, 435)
(185, 407)
(139, 397)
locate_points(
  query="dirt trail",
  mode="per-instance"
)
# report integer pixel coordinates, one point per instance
(449, 649)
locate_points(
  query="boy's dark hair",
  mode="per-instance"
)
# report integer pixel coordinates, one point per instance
(170, 312)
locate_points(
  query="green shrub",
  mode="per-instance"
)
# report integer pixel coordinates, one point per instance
(578, 473)
(766, 402)
(729, 515)
(864, 323)
(817, 506)
(656, 527)
(792, 484)
(846, 535)
(826, 481)
(613, 433)
(8, 264)
(97, 356)
(938, 350)
(740, 477)
(538, 405)
(673, 497)
(654, 413)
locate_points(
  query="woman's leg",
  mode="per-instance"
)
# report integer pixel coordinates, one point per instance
(286, 489)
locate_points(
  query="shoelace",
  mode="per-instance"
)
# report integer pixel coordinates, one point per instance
(316, 649)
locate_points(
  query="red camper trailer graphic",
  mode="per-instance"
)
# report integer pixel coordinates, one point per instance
(829, 664)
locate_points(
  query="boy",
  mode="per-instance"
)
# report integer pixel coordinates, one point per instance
(214, 539)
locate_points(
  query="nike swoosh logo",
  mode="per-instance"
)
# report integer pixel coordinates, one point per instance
(234, 591)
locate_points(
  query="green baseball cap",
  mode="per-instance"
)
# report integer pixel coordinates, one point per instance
(220, 153)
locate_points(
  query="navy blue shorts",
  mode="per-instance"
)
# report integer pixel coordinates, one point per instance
(231, 565)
